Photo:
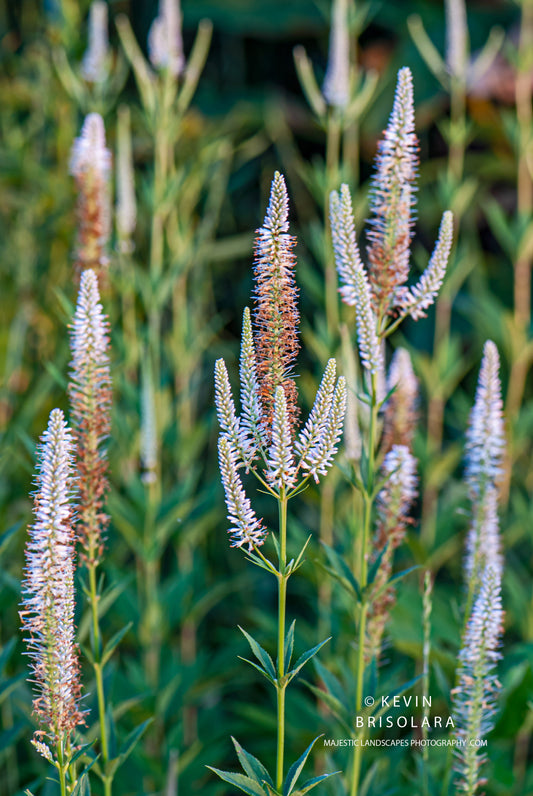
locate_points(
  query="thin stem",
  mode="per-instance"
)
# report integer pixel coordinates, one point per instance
(333, 141)
(62, 768)
(368, 499)
(282, 599)
(98, 670)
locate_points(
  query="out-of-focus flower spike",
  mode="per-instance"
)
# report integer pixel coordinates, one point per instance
(394, 505)
(90, 399)
(392, 197)
(126, 211)
(456, 38)
(355, 288)
(483, 546)
(281, 472)
(47, 609)
(312, 434)
(250, 420)
(401, 407)
(246, 527)
(417, 299)
(336, 88)
(485, 437)
(276, 314)
(165, 42)
(320, 457)
(95, 64)
(474, 699)
(90, 165)
(148, 429)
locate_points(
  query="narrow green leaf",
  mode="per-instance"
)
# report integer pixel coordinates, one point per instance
(259, 669)
(374, 567)
(311, 783)
(302, 660)
(338, 709)
(240, 781)
(113, 643)
(251, 765)
(6, 537)
(289, 646)
(262, 655)
(130, 743)
(6, 652)
(341, 567)
(296, 768)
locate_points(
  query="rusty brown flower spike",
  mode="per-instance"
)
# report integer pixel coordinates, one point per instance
(48, 592)
(401, 407)
(276, 314)
(90, 165)
(90, 397)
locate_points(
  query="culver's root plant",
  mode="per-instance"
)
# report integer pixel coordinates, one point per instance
(385, 477)
(267, 440)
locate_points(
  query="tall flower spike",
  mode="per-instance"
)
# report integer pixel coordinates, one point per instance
(485, 438)
(483, 546)
(281, 472)
(47, 613)
(416, 300)
(90, 398)
(474, 698)
(336, 88)
(246, 528)
(90, 165)
(394, 505)
(250, 419)
(456, 38)
(95, 64)
(165, 43)
(276, 315)
(392, 197)
(355, 288)
(400, 411)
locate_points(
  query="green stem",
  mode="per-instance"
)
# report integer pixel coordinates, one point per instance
(62, 768)
(367, 519)
(99, 676)
(333, 141)
(282, 600)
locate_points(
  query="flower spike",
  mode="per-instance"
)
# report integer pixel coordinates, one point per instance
(246, 527)
(48, 591)
(485, 437)
(400, 410)
(95, 64)
(90, 399)
(281, 472)
(250, 402)
(355, 289)
(90, 165)
(419, 298)
(276, 314)
(336, 88)
(474, 699)
(165, 42)
(392, 197)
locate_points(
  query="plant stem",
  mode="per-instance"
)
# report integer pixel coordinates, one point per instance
(367, 519)
(97, 666)
(282, 600)
(333, 141)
